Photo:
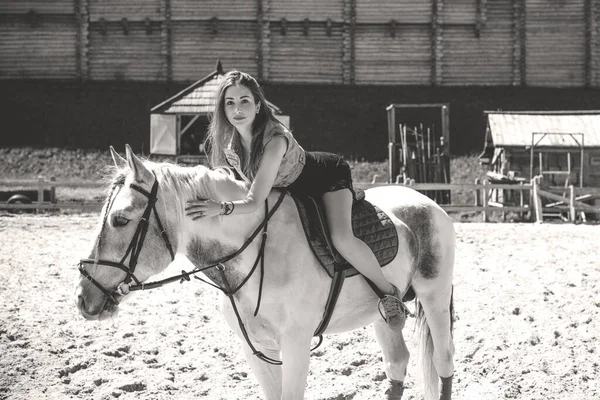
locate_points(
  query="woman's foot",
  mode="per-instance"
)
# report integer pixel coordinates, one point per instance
(394, 309)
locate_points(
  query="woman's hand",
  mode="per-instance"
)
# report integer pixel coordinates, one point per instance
(202, 209)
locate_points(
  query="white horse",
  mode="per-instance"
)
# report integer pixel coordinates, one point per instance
(144, 214)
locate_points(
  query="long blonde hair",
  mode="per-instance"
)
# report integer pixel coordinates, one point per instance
(220, 130)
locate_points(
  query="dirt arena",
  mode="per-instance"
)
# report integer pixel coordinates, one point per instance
(527, 301)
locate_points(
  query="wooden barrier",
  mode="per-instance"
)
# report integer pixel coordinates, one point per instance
(573, 204)
(88, 207)
(42, 184)
(482, 194)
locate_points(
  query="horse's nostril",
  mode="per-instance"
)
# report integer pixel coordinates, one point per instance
(80, 302)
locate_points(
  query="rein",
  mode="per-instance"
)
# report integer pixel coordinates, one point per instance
(185, 276)
(227, 291)
(135, 248)
(219, 265)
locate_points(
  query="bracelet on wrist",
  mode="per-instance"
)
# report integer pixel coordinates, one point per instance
(226, 207)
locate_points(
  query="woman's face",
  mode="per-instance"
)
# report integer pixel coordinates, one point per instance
(240, 107)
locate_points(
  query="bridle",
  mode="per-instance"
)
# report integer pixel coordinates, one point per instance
(135, 246)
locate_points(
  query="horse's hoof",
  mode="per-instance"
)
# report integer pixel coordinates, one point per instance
(395, 391)
(446, 392)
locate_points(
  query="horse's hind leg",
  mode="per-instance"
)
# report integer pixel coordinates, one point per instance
(395, 357)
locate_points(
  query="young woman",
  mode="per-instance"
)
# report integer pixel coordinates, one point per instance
(245, 135)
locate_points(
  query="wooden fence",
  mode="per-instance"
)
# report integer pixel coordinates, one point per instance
(41, 185)
(569, 205)
(536, 201)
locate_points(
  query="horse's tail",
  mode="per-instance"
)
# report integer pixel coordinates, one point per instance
(429, 377)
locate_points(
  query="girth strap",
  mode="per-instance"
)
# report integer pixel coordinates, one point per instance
(334, 293)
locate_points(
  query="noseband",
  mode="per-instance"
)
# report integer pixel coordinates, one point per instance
(135, 246)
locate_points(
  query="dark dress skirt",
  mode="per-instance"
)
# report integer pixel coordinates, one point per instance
(322, 173)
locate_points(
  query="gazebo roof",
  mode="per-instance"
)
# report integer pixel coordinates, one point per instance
(514, 129)
(198, 98)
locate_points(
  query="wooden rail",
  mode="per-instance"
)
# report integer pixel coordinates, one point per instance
(42, 184)
(534, 209)
(482, 195)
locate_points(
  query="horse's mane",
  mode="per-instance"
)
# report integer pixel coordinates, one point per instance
(190, 182)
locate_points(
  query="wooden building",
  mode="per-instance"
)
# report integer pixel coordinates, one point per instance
(347, 42)
(564, 147)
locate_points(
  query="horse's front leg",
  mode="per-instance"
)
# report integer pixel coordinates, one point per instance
(268, 375)
(295, 353)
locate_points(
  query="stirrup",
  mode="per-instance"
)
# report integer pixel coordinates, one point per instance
(403, 307)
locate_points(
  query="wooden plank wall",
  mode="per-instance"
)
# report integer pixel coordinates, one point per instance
(555, 42)
(125, 40)
(403, 11)
(403, 42)
(305, 52)
(125, 51)
(133, 10)
(193, 10)
(305, 41)
(478, 50)
(38, 39)
(592, 9)
(394, 42)
(198, 44)
(385, 59)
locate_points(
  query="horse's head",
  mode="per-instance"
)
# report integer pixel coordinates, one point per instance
(133, 240)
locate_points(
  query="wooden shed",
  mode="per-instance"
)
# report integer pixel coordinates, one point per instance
(563, 146)
(178, 125)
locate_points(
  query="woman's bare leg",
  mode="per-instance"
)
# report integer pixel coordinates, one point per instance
(338, 208)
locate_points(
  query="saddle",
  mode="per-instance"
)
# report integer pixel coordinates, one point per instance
(369, 223)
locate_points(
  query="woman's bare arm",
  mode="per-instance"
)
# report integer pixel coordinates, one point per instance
(265, 177)
(259, 190)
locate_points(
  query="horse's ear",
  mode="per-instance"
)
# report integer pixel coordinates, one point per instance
(117, 158)
(141, 173)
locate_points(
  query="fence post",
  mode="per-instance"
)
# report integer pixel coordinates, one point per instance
(521, 200)
(572, 214)
(40, 199)
(485, 200)
(537, 201)
(52, 190)
(477, 193)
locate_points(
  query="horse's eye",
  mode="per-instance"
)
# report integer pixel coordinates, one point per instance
(119, 221)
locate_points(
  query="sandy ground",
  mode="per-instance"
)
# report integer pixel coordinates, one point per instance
(527, 325)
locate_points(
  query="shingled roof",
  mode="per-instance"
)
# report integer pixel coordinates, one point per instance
(514, 129)
(198, 98)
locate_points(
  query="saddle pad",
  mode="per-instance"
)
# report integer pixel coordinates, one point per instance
(369, 223)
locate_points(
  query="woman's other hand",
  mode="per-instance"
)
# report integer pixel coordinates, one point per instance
(202, 208)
